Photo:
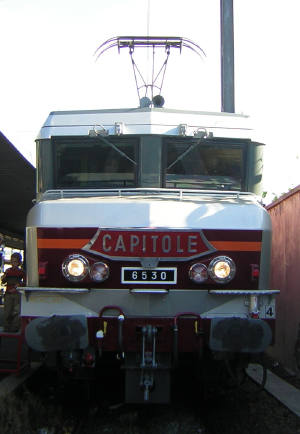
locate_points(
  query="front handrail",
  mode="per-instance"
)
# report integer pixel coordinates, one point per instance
(127, 192)
(243, 291)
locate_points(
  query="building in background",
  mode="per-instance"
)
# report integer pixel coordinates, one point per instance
(285, 267)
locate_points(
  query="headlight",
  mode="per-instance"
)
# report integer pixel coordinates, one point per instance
(198, 273)
(99, 271)
(75, 268)
(222, 269)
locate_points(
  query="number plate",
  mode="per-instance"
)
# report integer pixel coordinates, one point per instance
(153, 276)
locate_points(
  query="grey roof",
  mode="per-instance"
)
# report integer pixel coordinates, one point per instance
(17, 190)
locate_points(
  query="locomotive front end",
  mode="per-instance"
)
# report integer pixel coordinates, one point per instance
(147, 247)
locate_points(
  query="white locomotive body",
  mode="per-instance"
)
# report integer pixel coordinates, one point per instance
(147, 242)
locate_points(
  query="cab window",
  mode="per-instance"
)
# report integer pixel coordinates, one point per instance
(84, 162)
(202, 165)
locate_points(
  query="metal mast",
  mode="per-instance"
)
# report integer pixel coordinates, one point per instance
(227, 56)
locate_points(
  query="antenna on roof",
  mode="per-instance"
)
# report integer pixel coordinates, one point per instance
(146, 91)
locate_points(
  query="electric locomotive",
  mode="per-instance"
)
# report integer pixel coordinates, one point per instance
(147, 244)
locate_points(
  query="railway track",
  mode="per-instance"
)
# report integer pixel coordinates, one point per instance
(51, 410)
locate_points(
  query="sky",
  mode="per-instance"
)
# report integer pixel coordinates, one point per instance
(48, 63)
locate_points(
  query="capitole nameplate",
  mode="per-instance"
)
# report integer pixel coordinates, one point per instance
(134, 244)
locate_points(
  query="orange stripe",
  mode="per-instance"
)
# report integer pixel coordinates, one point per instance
(49, 243)
(237, 246)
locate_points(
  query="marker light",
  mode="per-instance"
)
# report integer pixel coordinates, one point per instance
(89, 359)
(75, 267)
(99, 272)
(222, 269)
(43, 270)
(198, 273)
(254, 272)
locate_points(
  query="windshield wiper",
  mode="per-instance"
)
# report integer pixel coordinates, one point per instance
(116, 149)
(187, 151)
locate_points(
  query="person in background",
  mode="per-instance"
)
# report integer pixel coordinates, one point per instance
(12, 278)
(1, 253)
(2, 261)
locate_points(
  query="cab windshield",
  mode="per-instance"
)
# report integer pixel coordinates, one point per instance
(202, 165)
(90, 163)
(135, 161)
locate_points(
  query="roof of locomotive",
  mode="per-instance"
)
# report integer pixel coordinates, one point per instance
(146, 121)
